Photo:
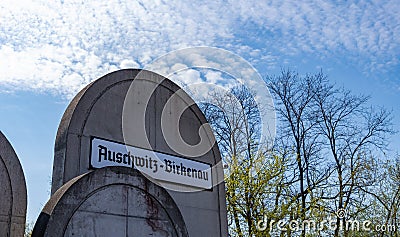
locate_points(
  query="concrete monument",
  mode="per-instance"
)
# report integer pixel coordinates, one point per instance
(13, 192)
(138, 120)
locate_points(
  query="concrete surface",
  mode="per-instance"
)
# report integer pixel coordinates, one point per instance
(98, 110)
(13, 199)
(111, 201)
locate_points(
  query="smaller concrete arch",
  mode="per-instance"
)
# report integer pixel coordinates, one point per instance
(13, 199)
(111, 201)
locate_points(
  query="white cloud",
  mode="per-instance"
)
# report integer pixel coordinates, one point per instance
(46, 44)
(60, 46)
(360, 30)
(185, 77)
(129, 63)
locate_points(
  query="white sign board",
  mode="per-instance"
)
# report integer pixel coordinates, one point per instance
(157, 165)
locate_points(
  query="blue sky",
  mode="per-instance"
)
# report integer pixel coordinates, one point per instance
(49, 50)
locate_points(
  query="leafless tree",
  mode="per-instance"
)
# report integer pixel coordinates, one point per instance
(353, 132)
(295, 106)
(326, 155)
(335, 138)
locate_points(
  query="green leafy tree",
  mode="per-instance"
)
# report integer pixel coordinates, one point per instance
(28, 229)
(254, 178)
(326, 158)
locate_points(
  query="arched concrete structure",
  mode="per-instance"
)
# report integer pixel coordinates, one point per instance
(111, 201)
(97, 111)
(13, 192)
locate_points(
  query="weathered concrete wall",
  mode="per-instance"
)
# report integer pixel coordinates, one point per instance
(98, 111)
(13, 192)
(111, 201)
